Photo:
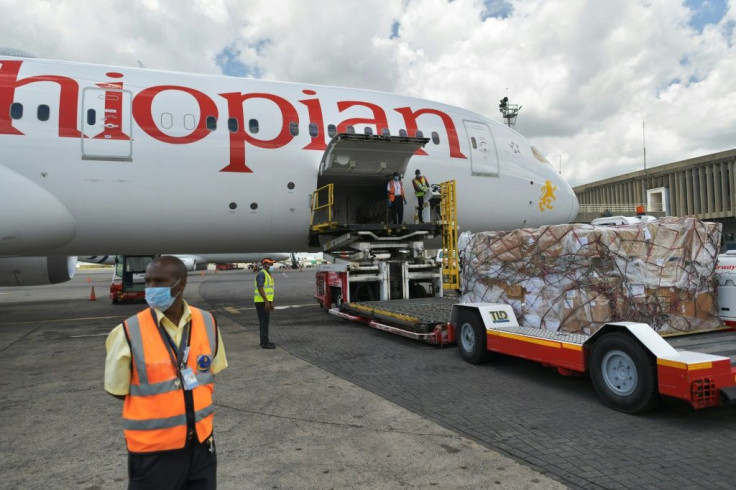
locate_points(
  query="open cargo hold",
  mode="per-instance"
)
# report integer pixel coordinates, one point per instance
(577, 277)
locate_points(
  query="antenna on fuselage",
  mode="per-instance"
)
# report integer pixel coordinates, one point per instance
(509, 111)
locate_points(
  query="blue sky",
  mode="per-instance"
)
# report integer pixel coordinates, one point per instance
(706, 12)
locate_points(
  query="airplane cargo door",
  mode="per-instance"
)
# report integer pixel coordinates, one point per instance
(106, 125)
(483, 155)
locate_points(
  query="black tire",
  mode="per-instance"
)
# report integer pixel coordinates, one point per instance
(470, 334)
(417, 291)
(624, 373)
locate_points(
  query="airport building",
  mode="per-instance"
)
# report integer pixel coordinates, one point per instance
(704, 187)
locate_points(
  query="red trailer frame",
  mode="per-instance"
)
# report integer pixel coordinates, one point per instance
(629, 363)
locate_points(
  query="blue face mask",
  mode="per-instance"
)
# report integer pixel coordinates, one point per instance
(160, 298)
(396, 178)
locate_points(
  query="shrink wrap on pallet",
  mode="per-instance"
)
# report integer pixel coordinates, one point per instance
(577, 277)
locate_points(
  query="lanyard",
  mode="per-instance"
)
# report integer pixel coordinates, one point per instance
(178, 356)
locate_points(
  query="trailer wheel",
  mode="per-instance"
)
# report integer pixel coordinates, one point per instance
(624, 374)
(471, 336)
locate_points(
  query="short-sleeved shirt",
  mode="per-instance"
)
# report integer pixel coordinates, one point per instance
(398, 188)
(118, 361)
(260, 279)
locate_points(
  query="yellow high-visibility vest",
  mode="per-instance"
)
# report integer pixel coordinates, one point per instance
(267, 288)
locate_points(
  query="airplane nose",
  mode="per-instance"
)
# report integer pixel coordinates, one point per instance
(568, 200)
(574, 206)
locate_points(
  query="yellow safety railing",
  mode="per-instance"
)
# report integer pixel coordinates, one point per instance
(323, 200)
(450, 261)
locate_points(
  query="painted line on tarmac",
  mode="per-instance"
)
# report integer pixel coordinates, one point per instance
(89, 335)
(83, 318)
(232, 309)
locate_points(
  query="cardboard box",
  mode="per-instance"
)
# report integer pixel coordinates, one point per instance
(515, 291)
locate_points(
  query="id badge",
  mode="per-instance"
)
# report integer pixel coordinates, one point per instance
(189, 378)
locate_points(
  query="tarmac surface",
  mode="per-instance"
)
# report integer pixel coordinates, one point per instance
(336, 405)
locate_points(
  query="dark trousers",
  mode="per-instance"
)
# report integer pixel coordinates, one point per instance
(420, 204)
(397, 211)
(263, 317)
(193, 467)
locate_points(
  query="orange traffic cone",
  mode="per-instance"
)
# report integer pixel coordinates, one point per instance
(202, 273)
(92, 296)
(89, 280)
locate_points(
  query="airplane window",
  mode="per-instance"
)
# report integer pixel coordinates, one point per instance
(211, 123)
(350, 130)
(253, 126)
(91, 117)
(294, 128)
(232, 125)
(167, 120)
(402, 133)
(331, 130)
(43, 112)
(189, 122)
(313, 130)
(385, 132)
(16, 110)
(419, 134)
(475, 144)
(435, 138)
(368, 130)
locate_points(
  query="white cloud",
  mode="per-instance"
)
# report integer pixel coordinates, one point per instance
(587, 73)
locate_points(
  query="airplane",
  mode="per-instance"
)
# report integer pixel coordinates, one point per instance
(97, 158)
(199, 262)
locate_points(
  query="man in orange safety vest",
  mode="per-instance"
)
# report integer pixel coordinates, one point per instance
(162, 362)
(396, 198)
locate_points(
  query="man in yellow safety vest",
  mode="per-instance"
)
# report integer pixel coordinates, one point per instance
(263, 299)
(421, 187)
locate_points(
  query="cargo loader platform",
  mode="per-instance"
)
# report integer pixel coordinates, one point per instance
(425, 319)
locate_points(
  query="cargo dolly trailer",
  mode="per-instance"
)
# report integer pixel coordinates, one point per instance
(630, 365)
(424, 319)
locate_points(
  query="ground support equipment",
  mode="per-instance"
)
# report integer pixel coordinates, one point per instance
(424, 319)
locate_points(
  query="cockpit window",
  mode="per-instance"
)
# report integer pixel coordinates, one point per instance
(538, 155)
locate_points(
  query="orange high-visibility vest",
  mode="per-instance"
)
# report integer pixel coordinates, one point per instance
(391, 190)
(154, 412)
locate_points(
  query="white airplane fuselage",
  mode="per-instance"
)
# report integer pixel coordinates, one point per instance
(98, 159)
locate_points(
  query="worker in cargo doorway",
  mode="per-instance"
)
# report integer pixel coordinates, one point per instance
(396, 199)
(263, 299)
(421, 187)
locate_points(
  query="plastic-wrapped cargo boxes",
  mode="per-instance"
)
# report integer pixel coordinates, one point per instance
(577, 277)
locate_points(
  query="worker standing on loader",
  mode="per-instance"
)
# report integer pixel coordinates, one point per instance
(421, 187)
(396, 199)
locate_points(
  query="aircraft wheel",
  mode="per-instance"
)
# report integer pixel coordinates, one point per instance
(624, 373)
(471, 336)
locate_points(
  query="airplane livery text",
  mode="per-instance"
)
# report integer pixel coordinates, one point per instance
(143, 114)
